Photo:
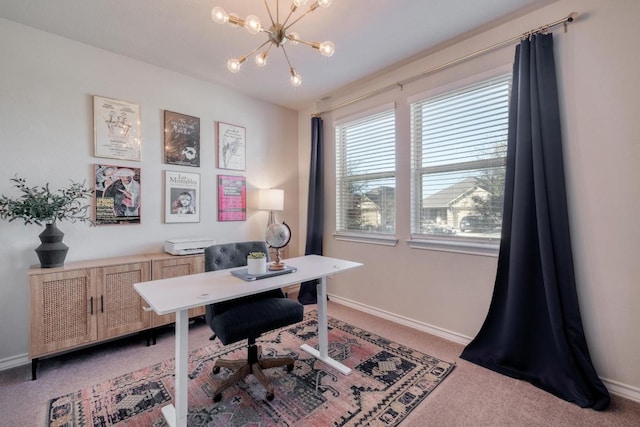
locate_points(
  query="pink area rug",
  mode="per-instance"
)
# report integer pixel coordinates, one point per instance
(388, 380)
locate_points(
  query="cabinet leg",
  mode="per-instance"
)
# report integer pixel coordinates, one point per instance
(34, 368)
(151, 337)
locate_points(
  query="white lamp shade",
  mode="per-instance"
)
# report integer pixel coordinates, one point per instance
(270, 199)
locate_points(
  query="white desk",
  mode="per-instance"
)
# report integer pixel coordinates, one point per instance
(179, 294)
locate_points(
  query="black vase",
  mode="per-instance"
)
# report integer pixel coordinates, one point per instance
(52, 251)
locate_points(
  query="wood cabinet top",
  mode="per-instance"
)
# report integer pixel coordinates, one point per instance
(105, 262)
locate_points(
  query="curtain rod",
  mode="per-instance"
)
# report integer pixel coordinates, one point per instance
(569, 18)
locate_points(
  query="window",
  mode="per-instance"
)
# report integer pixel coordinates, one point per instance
(366, 173)
(459, 142)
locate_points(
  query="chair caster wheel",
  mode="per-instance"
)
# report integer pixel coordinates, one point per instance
(270, 396)
(217, 398)
(290, 367)
(216, 369)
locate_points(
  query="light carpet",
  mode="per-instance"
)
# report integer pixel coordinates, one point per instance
(387, 382)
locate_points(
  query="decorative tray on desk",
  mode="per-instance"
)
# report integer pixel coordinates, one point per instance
(244, 275)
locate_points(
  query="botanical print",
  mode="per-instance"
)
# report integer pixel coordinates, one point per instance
(231, 146)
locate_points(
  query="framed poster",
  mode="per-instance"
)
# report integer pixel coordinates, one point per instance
(231, 146)
(117, 195)
(232, 198)
(181, 139)
(181, 197)
(116, 129)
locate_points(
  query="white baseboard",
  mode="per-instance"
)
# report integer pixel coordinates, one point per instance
(614, 387)
(433, 330)
(14, 361)
(623, 390)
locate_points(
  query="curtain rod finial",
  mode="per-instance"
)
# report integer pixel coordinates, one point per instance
(572, 16)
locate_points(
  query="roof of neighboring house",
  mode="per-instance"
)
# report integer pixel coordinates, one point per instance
(444, 198)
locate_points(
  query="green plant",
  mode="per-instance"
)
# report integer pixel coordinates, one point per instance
(256, 255)
(38, 205)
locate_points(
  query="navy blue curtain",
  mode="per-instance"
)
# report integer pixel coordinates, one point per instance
(315, 208)
(533, 330)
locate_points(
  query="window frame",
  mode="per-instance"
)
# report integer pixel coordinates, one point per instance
(341, 231)
(459, 244)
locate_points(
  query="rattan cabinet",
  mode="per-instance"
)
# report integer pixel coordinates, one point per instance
(85, 302)
(165, 266)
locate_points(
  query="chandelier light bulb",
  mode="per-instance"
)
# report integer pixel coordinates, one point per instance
(324, 3)
(252, 24)
(327, 48)
(295, 80)
(261, 59)
(234, 64)
(299, 3)
(219, 15)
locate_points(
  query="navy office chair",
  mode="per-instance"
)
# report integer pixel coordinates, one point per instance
(247, 318)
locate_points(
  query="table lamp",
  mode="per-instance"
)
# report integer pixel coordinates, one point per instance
(270, 199)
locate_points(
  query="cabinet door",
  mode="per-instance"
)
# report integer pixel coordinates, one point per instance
(63, 311)
(176, 267)
(120, 307)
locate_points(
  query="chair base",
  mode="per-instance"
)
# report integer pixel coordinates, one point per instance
(253, 365)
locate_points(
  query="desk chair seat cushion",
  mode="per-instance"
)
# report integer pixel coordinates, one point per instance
(254, 317)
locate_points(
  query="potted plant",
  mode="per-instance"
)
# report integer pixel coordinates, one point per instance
(256, 263)
(41, 205)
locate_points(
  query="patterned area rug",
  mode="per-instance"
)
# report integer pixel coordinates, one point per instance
(388, 380)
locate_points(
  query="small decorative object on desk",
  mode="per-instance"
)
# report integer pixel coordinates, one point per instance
(256, 263)
(40, 205)
(278, 236)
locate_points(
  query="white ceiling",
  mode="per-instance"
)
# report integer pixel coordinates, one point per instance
(370, 35)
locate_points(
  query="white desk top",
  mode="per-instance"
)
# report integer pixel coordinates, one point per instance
(180, 293)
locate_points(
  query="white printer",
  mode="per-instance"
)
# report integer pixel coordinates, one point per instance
(187, 246)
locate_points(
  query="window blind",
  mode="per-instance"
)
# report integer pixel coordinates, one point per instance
(365, 174)
(459, 142)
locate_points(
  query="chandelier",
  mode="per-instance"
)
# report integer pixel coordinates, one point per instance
(277, 34)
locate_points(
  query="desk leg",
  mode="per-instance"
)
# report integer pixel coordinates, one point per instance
(177, 416)
(323, 324)
(323, 331)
